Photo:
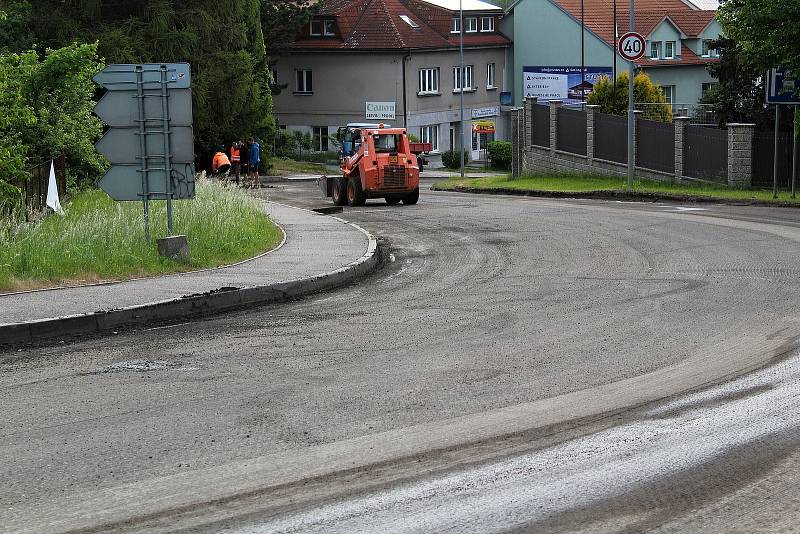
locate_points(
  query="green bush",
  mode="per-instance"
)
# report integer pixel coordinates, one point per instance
(500, 153)
(452, 160)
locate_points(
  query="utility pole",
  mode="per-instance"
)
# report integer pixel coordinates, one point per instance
(583, 54)
(461, 78)
(631, 116)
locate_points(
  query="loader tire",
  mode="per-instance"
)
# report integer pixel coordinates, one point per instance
(411, 198)
(393, 200)
(355, 195)
(339, 192)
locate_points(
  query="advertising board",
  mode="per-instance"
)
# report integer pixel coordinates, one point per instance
(380, 110)
(561, 83)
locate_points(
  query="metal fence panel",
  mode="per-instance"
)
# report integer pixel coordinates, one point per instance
(611, 137)
(705, 153)
(541, 126)
(34, 190)
(763, 154)
(655, 145)
(571, 133)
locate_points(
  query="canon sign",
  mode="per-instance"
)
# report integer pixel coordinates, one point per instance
(380, 110)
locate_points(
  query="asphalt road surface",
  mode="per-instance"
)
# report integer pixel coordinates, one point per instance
(518, 364)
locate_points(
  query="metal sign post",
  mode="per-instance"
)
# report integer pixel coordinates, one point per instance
(783, 88)
(149, 143)
(631, 47)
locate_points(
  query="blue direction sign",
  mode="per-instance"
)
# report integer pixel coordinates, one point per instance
(783, 87)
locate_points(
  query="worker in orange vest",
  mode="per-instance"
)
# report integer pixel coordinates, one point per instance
(236, 160)
(220, 164)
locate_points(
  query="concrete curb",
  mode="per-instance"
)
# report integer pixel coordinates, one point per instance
(191, 306)
(618, 195)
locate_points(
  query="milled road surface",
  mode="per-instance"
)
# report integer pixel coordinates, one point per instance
(494, 375)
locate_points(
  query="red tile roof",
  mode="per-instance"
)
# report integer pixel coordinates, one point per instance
(599, 17)
(376, 25)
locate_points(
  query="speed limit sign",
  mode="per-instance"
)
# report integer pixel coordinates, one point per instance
(631, 46)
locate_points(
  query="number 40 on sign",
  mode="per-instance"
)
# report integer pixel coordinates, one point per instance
(631, 46)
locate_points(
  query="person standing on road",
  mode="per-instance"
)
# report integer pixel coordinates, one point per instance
(255, 160)
(244, 159)
(236, 161)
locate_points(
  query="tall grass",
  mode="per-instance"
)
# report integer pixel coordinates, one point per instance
(99, 239)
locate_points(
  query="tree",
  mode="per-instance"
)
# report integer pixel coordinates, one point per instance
(223, 43)
(613, 98)
(281, 20)
(739, 94)
(15, 17)
(765, 31)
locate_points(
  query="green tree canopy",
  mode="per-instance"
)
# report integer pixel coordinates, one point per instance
(767, 32)
(613, 97)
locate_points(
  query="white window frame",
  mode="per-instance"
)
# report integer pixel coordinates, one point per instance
(655, 46)
(667, 53)
(320, 135)
(407, 20)
(490, 76)
(304, 81)
(669, 93)
(325, 25)
(490, 26)
(706, 50)
(455, 26)
(430, 134)
(467, 77)
(471, 24)
(311, 25)
(428, 81)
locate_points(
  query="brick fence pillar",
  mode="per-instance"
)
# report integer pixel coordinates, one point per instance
(529, 103)
(591, 109)
(517, 131)
(680, 124)
(740, 154)
(637, 114)
(554, 105)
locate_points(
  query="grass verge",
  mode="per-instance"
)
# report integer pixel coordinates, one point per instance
(612, 186)
(287, 167)
(99, 239)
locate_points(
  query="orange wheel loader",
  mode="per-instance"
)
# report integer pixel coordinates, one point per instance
(382, 165)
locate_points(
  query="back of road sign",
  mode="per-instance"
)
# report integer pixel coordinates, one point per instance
(149, 143)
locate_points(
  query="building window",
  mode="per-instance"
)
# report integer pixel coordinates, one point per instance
(304, 82)
(407, 20)
(455, 27)
(490, 76)
(471, 24)
(319, 28)
(464, 81)
(655, 49)
(707, 50)
(669, 50)
(320, 138)
(487, 24)
(706, 87)
(430, 134)
(669, 93)
(429, 81)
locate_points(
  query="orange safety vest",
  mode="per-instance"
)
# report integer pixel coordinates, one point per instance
(220, 159)
(235, 157)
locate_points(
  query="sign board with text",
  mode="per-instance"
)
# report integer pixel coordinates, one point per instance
(380, 110)
(484, 127)
(561, 83)
(489, 111)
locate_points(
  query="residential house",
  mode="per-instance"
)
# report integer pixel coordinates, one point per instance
(398, 62)
(547, 43)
